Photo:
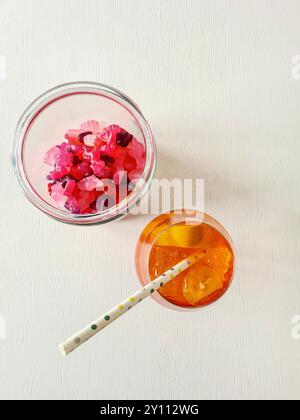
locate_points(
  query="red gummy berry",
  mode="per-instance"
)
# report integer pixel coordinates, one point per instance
(70, 188)
(81, 170)
(72, 205)
(124, 139)
(50, 185)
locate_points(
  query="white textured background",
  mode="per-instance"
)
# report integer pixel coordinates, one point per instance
(214, 79)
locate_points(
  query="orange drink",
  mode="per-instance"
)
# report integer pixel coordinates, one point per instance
(171, 238)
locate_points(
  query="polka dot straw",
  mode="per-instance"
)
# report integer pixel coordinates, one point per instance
(106, 319)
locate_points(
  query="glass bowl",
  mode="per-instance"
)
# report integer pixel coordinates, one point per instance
(157, 227)
(50, 116)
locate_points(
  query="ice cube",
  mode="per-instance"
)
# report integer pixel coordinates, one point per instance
(200, 282)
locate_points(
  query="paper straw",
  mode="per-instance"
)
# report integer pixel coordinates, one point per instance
(106, 319)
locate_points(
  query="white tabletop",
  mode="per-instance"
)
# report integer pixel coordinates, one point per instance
(214, 77)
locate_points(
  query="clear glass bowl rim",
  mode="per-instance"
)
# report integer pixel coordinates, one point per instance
(68, 89)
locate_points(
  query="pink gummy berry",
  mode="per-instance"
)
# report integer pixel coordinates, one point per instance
(52, 156)
(57, 188)
(92, 126)
(90, 183)
(136, 149)
(72, 205)
(74, 148)
(97, 164)
(58, 173)
(137, 152)
(57, 194)
(98, 167)
(110, 133)
(87, 128)
(135, 175)
(65, 158)
(109, 136)
(59, 199)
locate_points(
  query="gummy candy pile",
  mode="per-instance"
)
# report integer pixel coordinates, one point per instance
(88, 162)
